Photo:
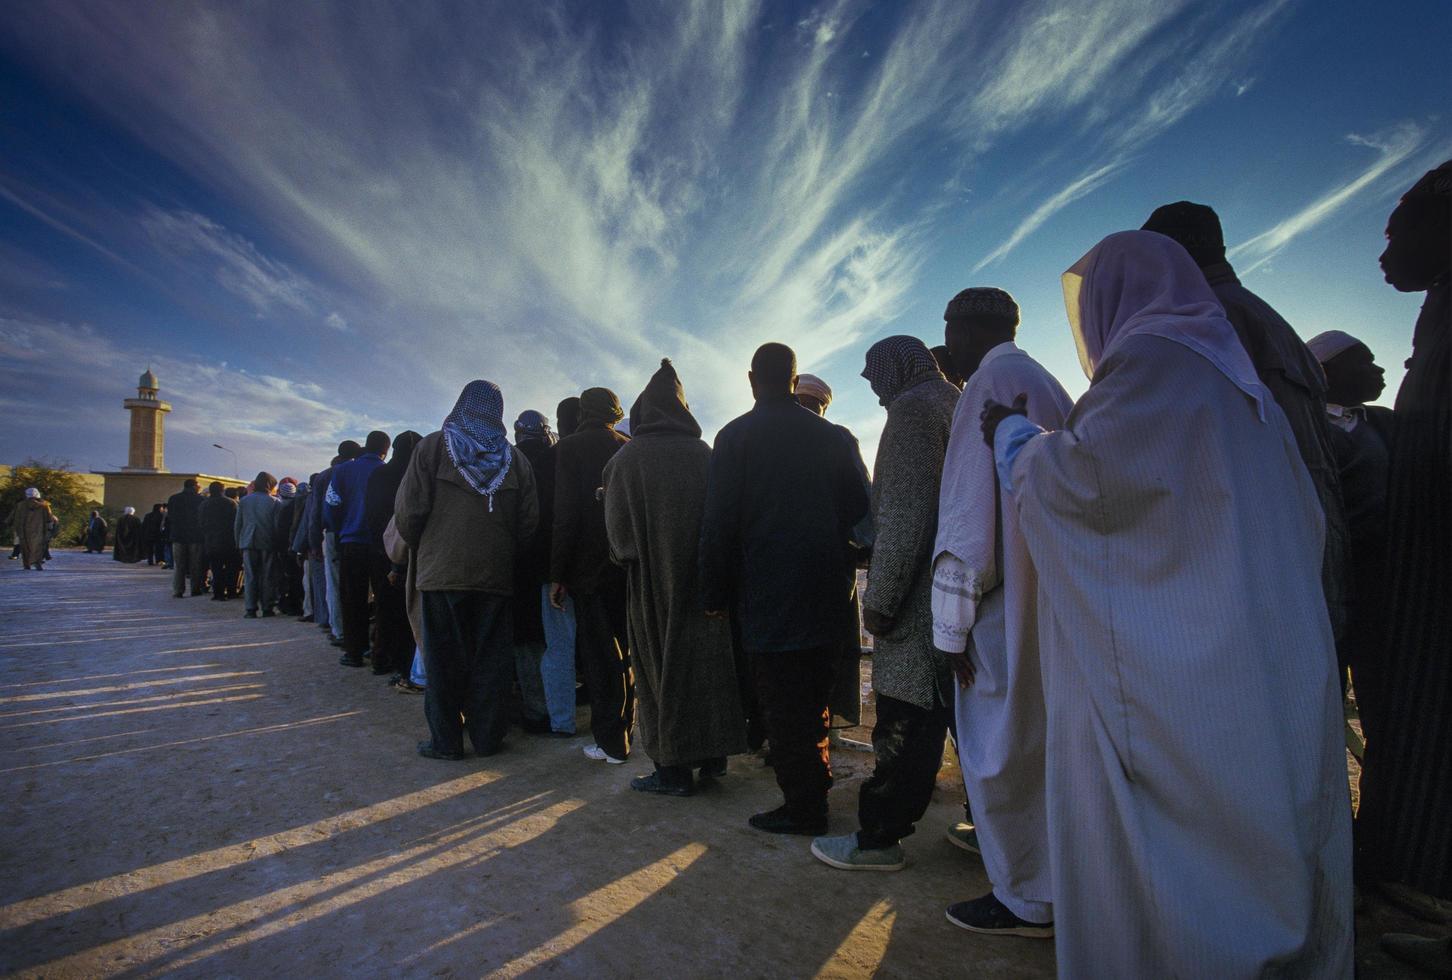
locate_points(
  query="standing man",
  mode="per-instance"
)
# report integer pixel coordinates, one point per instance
(393, 647)
(466, 506)
(96, 534)
(151, 535)
(557, 663)
(580, 566)
(345, 514)
(219, 536)
(909, 677)
(33, 523)
(985, 620)
(188, 547)
(256, 530)
(783, 495)
(347, 450)
(533, 439)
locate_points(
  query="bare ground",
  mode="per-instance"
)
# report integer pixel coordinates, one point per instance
(187, 792)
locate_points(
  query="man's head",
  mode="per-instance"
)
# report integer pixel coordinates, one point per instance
(1352, 375)
(944, 357)
(377, 443)
(348, 449)
(1195, 226)
(95, 513)
(31, 493)
(189, 485)
(215, 488)
(1419, 233)
(567, 416)
(265, 482)
(813, 393)
(773, 370)
(977, 320)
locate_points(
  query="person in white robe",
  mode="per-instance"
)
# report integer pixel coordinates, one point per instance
(985, 610)
(1199, 818)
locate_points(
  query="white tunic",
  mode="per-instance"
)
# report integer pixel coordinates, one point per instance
(1198, 810)
(984, 582)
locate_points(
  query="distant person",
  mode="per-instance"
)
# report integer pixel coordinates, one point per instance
(557, 663)
(297, 551)
(289, 572)
(347, 450)
(580, 568)
(910, 679)
(950, 370)
(533, 438)
(689, 710)
(256, 529)
(466, 506)
(33, 521)
(345, 514)
(314, 575)
(127, 546)
(152, 545)
(95, 534)
(1284, 366)
(188, 548)
(1406, 786)
(219, 538)
(393, 649)
(1361, 436)
(986, 607)
(815, 395)
(784, 493)
(1198, 817)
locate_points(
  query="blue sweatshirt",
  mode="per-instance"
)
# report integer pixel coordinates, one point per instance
(343, 512)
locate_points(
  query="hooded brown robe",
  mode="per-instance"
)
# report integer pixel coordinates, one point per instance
(689, 706)
(31, 520)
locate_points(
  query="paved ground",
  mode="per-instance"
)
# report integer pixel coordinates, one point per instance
(184, 791)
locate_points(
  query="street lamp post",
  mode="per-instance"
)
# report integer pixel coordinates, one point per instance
(235, 474)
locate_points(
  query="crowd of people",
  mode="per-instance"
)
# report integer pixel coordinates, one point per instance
(1135, 614)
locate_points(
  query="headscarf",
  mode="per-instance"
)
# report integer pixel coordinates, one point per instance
(32, 493)
(1325, 346)
(599, 407)
(814, 387)
(567, 414)
(1141, 283)
(661, 408)
(128, 511)
(287, 488)
(896, 364)
(533, 425)
(1195, 226)
(475, 438)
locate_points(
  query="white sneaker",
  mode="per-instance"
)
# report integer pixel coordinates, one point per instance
(600, 755)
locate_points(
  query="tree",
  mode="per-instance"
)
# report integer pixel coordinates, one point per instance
(68, 496)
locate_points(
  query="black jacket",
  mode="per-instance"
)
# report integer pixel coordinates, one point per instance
(579, 551)
(218, 513)
(784, 493)
(184, 517)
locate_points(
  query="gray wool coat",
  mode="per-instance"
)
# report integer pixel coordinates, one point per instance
(905, 480)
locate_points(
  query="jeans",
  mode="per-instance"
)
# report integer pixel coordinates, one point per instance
(794, 690)
(189, 563)
(604, 653)
(335, 596)
(557, 665)
(468, 654)
(259, 575)
(417, 674)
(907, 742)
(318, 577)
(307, 586)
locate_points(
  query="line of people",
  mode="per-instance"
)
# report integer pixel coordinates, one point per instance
(1133, 612)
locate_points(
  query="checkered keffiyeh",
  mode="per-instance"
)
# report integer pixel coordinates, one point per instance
(476, 439)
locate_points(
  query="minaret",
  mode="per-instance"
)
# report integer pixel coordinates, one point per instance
(148, 440)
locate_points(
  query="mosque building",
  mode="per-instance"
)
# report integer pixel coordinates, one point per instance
(145, 480)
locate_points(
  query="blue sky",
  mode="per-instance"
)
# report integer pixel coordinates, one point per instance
(316, 219)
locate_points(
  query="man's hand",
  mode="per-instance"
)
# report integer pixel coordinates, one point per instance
(962, 667)
(558, 592)
(994, 413)
(877, 624)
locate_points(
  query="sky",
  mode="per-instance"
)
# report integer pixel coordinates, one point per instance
(312, 220)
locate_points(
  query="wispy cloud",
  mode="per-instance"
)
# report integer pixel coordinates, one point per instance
(1393, 146)
(1085, 184)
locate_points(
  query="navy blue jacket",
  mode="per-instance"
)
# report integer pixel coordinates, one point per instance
(345, 510)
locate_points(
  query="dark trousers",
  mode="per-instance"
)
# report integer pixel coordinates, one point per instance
(353, 561)
(259, 570)
(217, 561)
(289, 583)
(468, 649)
(604, 653)
(908, 745)
(393, 645)
(794, 690)
(189, 563)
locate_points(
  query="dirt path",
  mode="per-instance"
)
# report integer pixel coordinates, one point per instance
(188, 792)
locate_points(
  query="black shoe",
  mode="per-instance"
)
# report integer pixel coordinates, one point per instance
(534, 726)
(217, 598)
(713, 768)
(782, 821)
(991, 917)
(653, 783)
(348, 661)
(380, 671)
(336, 642)
(407, 686)
(427, 750)
(305, 619)
(249, 614)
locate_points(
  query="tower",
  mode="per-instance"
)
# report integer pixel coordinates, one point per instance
(148, 438)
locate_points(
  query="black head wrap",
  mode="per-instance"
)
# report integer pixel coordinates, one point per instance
(1195, 226)
(661, 408)
(567, 414)
(599, 407)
